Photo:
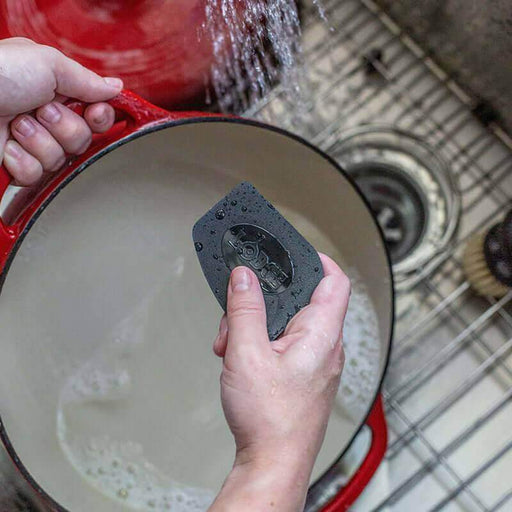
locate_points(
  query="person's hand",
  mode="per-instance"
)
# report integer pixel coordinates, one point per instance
(36, 130)
(277, 397)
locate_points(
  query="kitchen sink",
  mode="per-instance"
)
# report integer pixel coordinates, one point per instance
(448, 390)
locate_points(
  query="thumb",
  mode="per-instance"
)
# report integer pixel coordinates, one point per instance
(76, 81)
(246, 315)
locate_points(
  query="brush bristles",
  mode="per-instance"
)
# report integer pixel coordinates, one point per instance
(477, 271)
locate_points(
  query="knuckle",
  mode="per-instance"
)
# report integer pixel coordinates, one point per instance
(308, 330)
(19, 39)
(228, 378)
(85, 144)
(48, 149)
(30, 171)
(243, 308)
(57, 164)
(251, 362)
(50, 51)
(79, 137)
(76, 130)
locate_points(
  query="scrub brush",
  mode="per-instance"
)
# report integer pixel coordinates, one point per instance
(487, 259)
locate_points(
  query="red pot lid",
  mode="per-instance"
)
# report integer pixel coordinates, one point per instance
(155, 46)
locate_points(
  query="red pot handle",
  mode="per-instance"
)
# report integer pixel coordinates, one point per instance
(132, 114)
(347, 495)
(134, 110)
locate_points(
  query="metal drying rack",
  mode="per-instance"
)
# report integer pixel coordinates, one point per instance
(448, 392)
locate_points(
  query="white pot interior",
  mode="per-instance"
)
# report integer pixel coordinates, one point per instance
(107, 377)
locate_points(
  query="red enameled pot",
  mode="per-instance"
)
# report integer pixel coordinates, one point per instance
(114, 225)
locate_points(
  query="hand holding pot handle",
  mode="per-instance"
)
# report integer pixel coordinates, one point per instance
(36, 129)
(39, 134)
(133, 110)
(133, 114)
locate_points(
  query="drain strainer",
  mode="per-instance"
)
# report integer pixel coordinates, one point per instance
(411, 192)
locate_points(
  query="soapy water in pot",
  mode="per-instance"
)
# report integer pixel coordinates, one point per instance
(119, 468)
(256, 44)
(122, 468)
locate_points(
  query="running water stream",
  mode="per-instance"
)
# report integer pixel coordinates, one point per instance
(256, 44)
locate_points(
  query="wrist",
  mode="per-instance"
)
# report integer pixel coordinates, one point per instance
(294, 453)
(265, 483)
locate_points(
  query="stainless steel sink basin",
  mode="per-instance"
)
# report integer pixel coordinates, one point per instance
(449, 387)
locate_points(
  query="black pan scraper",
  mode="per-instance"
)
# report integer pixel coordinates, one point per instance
(245, 229)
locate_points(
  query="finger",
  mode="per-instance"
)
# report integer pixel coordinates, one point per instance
(36, 139)
(246, 315)
(329, 265)
(69, 129)
(100, 117)
(324, 316)
(334, 285)
(18, 40)
(4, 134)
(76, 81)
(23, 167)
(221, 341)
(60, 98)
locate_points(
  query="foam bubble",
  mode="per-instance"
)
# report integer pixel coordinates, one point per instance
(120, 471)
(362, 351)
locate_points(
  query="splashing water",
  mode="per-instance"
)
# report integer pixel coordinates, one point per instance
(322, 12)
(256, 44)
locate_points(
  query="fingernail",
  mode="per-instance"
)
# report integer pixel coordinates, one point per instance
(25, 126)
(50, 113)
(116, 83)
(240, 279)
(12, 150)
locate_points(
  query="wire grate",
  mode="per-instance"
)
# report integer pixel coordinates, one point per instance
(448, 392)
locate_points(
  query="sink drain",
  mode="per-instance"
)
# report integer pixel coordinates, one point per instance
(400, 207)
(411, 192)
